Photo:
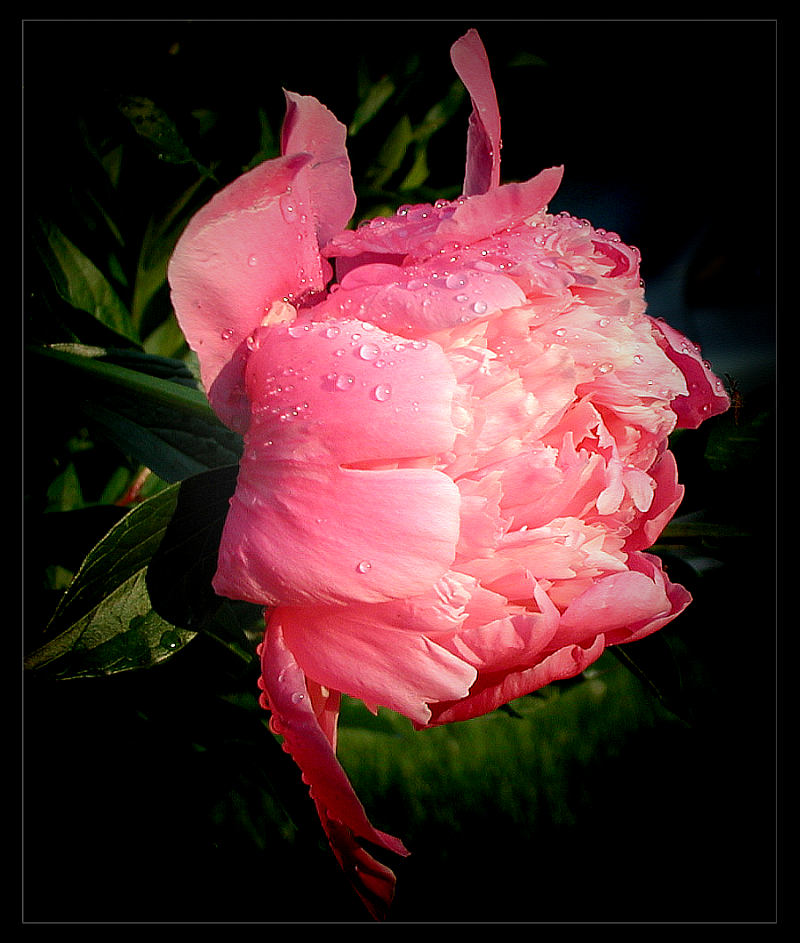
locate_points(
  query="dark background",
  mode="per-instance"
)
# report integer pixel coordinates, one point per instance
(667, 130)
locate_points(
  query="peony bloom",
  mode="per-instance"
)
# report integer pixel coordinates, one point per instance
(455, 424)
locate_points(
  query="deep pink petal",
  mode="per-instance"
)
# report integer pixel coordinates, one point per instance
(667, 497)
(707, 396)
(368, 652)
(483, 138)
(310, 128)
(341, 814)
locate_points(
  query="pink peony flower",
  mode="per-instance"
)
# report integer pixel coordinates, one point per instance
(455, 452)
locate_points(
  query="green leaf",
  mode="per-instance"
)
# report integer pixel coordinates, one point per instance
(159, 130)
(375, 98)
(81, 284)
(105, 622)
(153, 413)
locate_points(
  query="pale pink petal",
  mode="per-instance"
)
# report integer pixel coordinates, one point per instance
(707, 396)
(252, 244)
(483, 138)
(310, 128)
(361, 651)
(341, 814)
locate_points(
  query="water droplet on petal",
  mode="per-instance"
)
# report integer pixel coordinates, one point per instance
(455, 281)
(382, 392)
(252, 260)
(480, 307)
(297, 697)
(369, 351)
(605, 367)
(364, 567)
(332, 331)
(227, 334)
(344, 381)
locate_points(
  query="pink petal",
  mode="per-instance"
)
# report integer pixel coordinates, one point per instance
(346, 392)
(252, 244)
(310, 128)
(506, 206)
(416, 301)
(667, 497)
(301, 534)
(623, 605)
(707, 396)
(341, 814)
(491, 691)
(369, 653)
(483, 139)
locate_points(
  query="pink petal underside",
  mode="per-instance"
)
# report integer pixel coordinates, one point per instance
(621, 603)
(252, 244)
(675, 599)
(369, 652)
(667, 497)
(341, 813)
(491, 691)
(310, 128)
(707, 396)
(483, 138)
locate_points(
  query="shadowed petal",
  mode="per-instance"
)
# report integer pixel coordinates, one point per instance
(483, 137)
(341, 814)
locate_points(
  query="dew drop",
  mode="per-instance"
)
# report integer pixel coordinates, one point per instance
(382, 392)
(603, 322)
(344, 381)
(560, 332)
(638, 358)
(332, 331)
(227, 334)
(364, 566)
(297, 697)
(605, 367)
(455, 281)
(252, 260)
(369, 351)
(170, 640)
(480, 307)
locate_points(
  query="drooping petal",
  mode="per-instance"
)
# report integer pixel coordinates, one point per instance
(371, 653)
(483, 137)
(342, 816)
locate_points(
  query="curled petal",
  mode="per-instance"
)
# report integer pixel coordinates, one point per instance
(491, 691)
(252, 244)
(707, 396)
(483, 137)
(310, 128)
(341, 813)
